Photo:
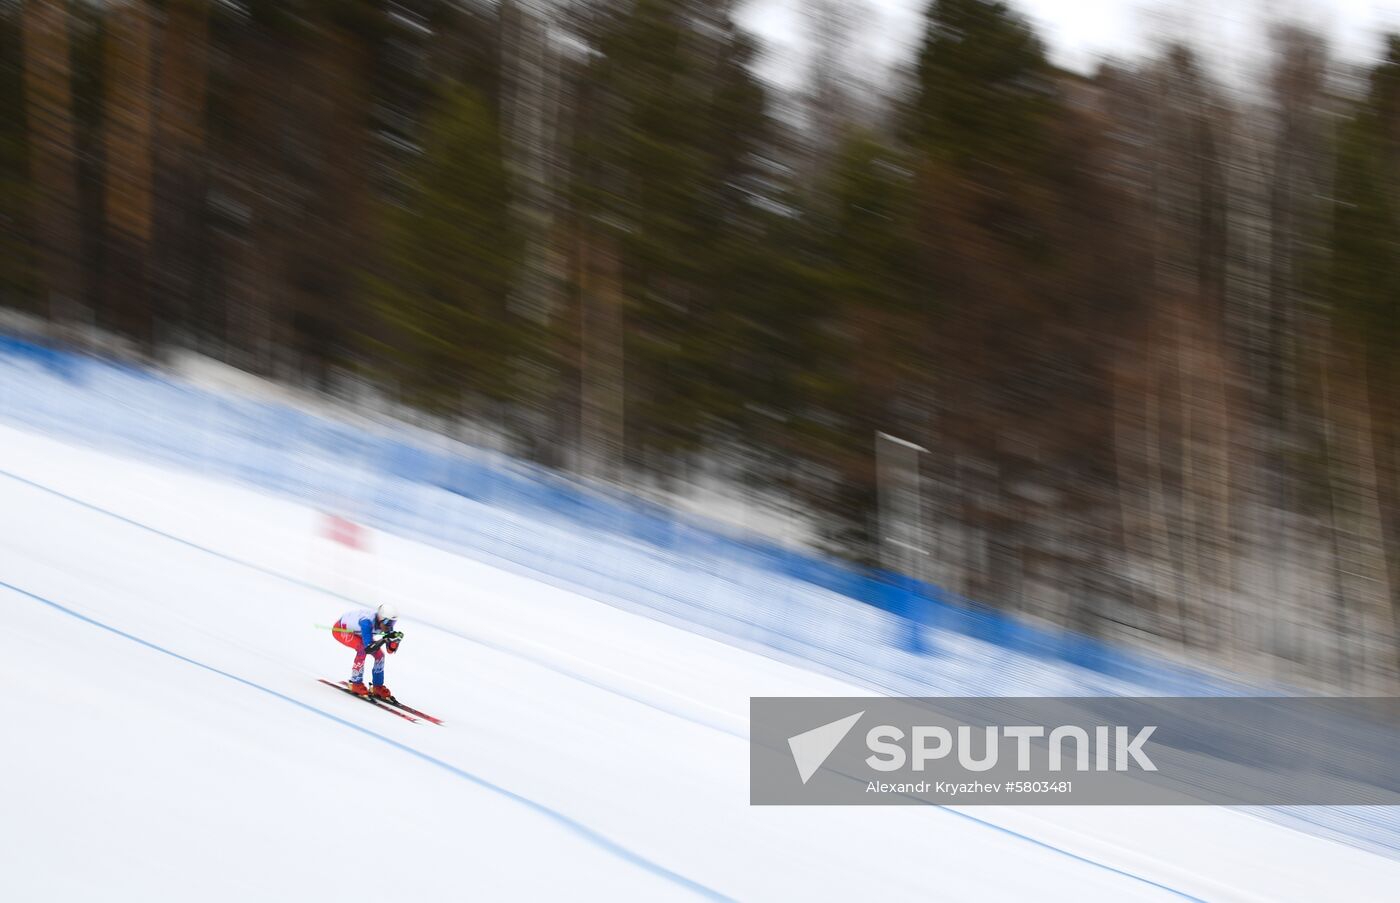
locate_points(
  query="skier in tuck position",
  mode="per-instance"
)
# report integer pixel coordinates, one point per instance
(356, 629)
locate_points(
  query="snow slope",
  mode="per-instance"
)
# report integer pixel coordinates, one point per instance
(167, 738)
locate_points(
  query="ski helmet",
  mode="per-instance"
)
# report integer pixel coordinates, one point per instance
(387, 613)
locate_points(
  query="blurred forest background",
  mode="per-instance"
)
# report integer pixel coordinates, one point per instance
(1143, 324)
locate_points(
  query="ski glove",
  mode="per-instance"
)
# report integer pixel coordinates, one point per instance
(392, 641)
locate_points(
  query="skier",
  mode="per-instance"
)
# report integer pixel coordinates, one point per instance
(356, 629)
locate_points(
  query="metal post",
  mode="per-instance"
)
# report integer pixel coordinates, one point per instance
(900, 505)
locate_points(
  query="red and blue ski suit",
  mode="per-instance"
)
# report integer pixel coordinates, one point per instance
(356, 629)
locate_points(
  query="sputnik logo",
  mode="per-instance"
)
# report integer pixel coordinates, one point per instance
(810, 749)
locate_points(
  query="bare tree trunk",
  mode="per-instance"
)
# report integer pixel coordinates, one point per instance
(530, 113)
(1191, 490)
(601, 345)
(1125, 445)
(180, 179)
(1221, 488)
(1159, 519)
(52, 156)
(127, 132)
(1379, 546)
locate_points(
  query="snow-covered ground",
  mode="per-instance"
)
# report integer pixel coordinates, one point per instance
(166, 737)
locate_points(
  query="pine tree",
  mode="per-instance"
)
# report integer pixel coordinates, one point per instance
(451, 252)
(669, 118)
(983, 86)
(1365, 283)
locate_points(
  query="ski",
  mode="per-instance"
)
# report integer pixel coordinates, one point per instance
(377, 703)
(411, 710)
(393, 701)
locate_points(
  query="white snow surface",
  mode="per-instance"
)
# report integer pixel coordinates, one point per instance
(166, 737)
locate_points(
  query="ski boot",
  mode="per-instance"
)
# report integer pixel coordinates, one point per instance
(381, 692)
(358, 688)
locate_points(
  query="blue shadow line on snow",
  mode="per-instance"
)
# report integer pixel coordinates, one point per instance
(608, 844)
(577, 827)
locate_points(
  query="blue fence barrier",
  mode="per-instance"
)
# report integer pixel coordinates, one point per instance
(278, 447)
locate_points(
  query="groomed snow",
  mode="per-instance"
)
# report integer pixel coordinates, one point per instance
(166, 737)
